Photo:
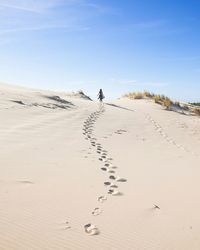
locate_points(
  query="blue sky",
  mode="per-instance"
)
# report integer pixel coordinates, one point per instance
(120, 46)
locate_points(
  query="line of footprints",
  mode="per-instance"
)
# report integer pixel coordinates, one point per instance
(112, 182)
(160, 130)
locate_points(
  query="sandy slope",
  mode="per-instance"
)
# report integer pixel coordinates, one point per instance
(51, 176)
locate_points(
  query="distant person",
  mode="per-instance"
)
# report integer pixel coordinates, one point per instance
(101, 95)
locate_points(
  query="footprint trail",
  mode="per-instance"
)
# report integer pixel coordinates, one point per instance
(112, 183)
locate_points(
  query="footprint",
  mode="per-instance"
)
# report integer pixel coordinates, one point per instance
(104, 169)
(112, 177)
(121, 179)
(114, 192)
(97, 211)
(111, 171)
(102, 199)
(110, 159)
(107, 183)
(67, 225)
(113, 186)
(25, 182)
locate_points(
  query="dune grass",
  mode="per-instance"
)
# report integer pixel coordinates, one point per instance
(195, 104)
(197, 111)
(193, 108)
(160, 99)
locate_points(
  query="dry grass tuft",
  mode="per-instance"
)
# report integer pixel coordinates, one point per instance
(167, 103)
(177, 104)
(134, 95)
(197, 111)
(148, 94)
(138, 95)
(160, 99)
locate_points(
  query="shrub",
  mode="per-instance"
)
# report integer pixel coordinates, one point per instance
(134, 95)
(177, 104)
(197, 111)
(195, 103)
(167, 103)
(158, 99)
(148, 94)
(138, 95)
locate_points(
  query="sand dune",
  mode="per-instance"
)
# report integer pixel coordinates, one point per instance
(79, 175)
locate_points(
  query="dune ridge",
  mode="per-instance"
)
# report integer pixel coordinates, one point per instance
(79, 175)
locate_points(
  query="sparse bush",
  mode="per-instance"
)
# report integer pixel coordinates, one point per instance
(135, 95)
(195, 103)
(158, 99)
(163, 100)
(177, 104)
(138, 96)
(197, 111)
(148, 94)
(167, 103)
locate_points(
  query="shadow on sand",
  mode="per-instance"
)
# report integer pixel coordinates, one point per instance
(116, 106)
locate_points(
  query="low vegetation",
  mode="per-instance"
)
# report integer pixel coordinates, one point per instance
(160, 99)
(196, 108)
(195, 104)
(197, 111)
(192, 108)
(139, 95)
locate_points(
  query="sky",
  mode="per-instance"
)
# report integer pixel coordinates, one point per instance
(117, 45)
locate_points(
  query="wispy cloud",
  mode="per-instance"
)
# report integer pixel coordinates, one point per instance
(102, 9)
(45, 27)
(152, 24)
(155, 27)
(36, 15)
(138, 83)
(35, 6)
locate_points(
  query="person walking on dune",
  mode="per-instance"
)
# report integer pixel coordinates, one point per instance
(101, 95)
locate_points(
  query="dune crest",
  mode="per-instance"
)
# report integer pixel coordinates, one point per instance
(79, 175)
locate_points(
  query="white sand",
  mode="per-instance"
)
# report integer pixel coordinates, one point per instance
(50, 174)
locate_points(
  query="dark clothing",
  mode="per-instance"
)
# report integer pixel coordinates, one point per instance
(101, 95)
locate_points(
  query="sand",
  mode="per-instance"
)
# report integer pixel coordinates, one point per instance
(79, 175)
